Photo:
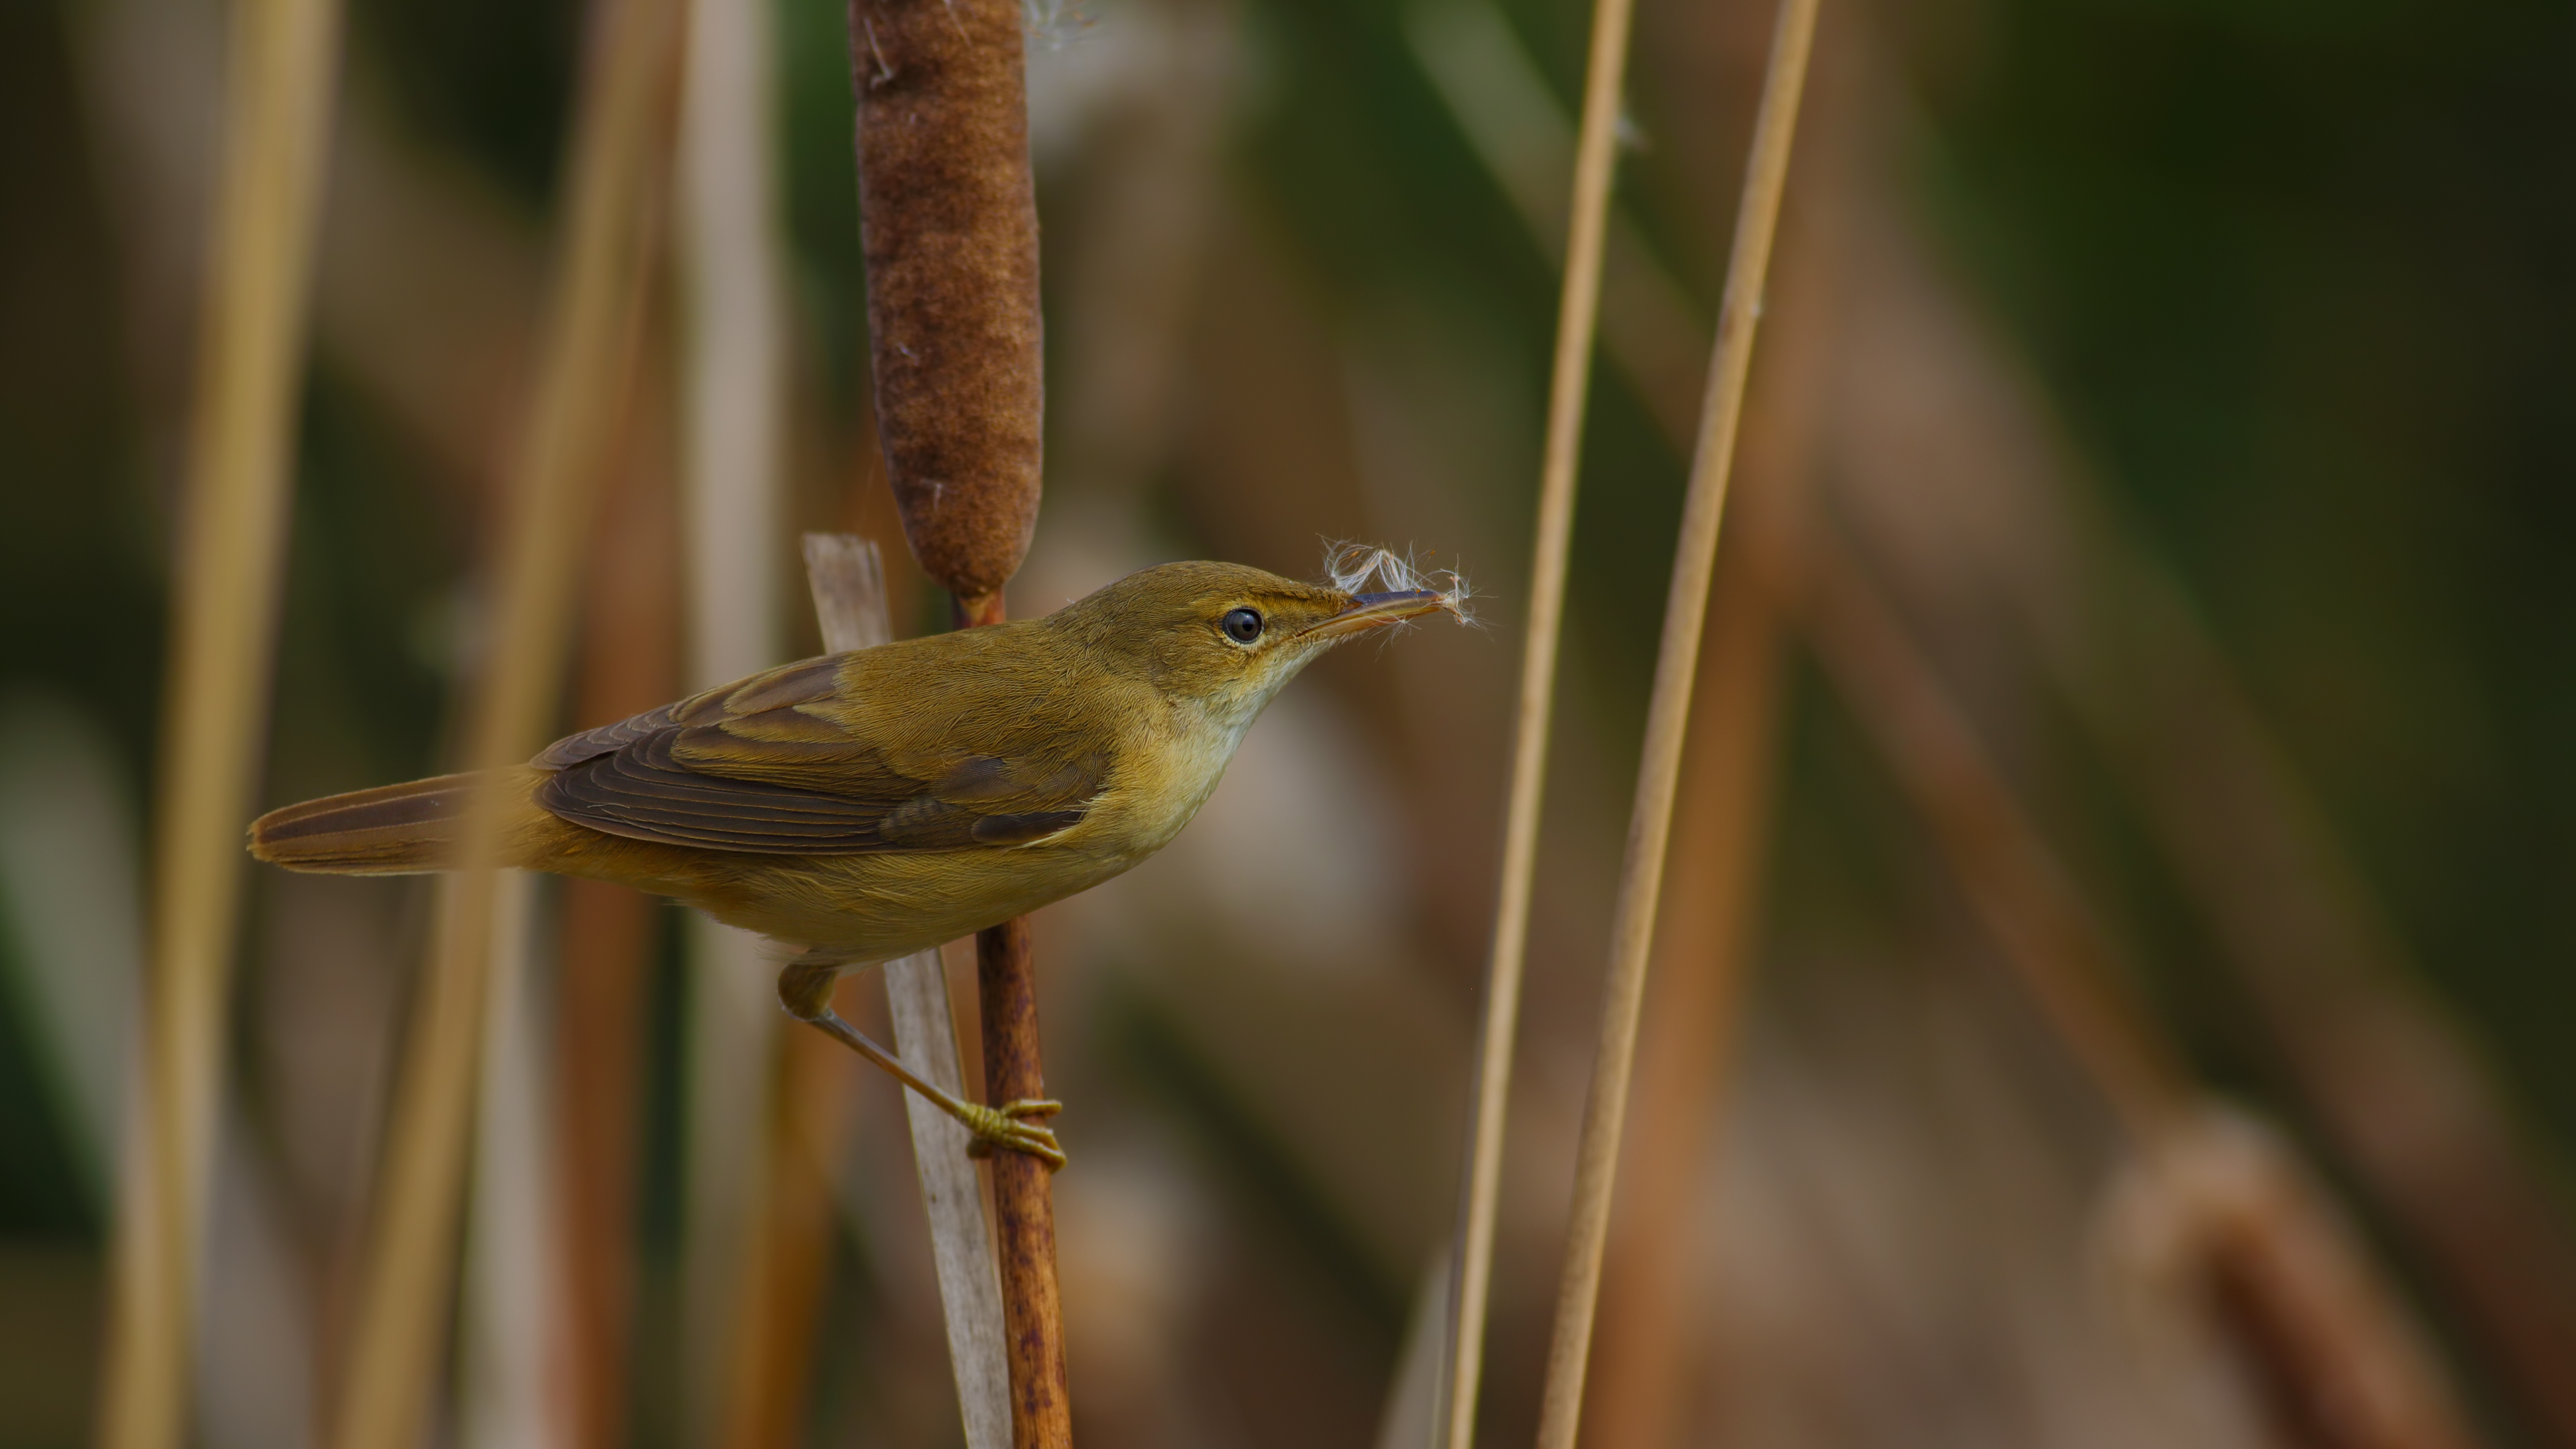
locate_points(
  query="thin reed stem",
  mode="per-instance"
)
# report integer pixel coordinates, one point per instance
(224, 632)
(1569, 388)
(726, 244)
(1667, 721)
(604, 936)
(620, 159)
(849, 599)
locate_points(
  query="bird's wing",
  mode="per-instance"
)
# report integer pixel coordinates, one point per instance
(783, 764)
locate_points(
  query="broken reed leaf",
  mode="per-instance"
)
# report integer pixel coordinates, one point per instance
(1351, 566)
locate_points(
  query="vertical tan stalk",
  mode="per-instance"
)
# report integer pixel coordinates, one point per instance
(1569, 388)
(223, 638)
(1667, 721)
(726, 243)
(604, 936)
(849, 599)
(734, 341)
(1703, 945)
(948, 222)
(620, 151)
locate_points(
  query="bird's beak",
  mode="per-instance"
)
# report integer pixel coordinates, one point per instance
(1368, 611)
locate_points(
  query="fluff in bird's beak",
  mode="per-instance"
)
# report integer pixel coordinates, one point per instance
(1410, 593)
(1369, 611)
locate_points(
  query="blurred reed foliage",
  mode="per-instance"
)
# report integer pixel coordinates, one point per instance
(2295, 280)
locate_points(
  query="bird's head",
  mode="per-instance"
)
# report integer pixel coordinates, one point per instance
(1229, 637)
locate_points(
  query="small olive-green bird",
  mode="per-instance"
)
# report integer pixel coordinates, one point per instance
(867, 805)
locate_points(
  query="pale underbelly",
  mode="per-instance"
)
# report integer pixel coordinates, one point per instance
(872, 908)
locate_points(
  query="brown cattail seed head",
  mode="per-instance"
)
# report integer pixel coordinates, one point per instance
(949, 227)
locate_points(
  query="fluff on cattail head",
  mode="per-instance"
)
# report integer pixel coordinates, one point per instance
(1351, 566)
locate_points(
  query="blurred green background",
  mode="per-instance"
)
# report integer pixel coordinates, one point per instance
(2283, 291)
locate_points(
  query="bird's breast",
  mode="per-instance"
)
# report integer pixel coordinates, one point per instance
(1161, 781)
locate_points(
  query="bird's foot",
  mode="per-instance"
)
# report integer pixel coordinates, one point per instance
(1009, 1128)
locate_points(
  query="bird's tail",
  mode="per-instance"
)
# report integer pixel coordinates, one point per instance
(390, 830)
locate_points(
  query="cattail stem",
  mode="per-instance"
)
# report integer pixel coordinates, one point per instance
(948, 222)
(1667, 718)
(620, 158)
(249, 373)
(1023, 1196)
(1569, 388)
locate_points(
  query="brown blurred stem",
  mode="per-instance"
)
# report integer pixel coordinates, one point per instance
(224, 630)
(629, 663)
(2011, 879)
(1023, 1196)
(618, 166)
(948, 222)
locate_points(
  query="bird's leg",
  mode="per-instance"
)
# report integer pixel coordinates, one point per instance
(805, 989)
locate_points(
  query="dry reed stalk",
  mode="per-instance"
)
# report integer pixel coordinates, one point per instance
(1687, 1047)
(606, 934)
(1704, 938)
(848, 584)
(726, 244)
(1667, 719)
(604, 937)
(948, 219)
(1569, 389)
(619, 156)
(224, 629)
(2220, 802)
(511, 1310)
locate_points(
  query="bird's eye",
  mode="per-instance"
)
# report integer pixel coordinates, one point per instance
(1241, 625)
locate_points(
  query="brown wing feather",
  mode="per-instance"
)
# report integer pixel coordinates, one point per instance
(756, 768)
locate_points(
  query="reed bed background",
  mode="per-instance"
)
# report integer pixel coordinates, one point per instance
(2138, 639)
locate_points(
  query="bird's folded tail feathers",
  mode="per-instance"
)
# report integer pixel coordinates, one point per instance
(390, 830)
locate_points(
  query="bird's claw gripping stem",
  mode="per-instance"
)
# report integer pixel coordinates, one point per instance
(1007, 1129)
(805, 989)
